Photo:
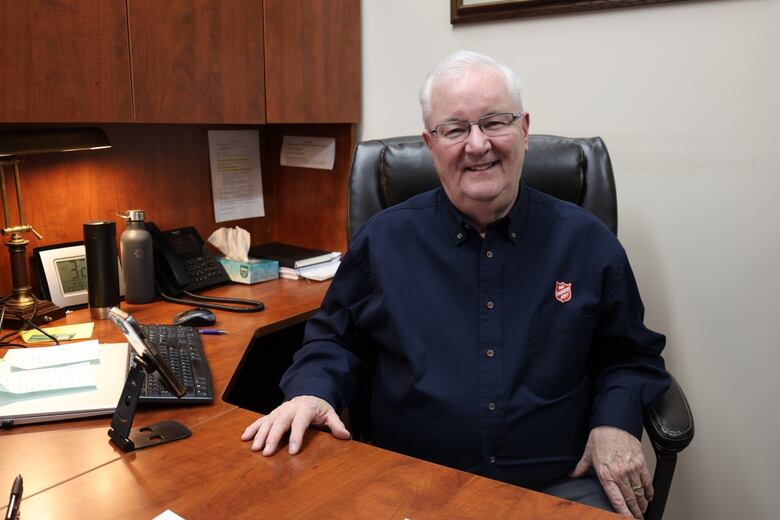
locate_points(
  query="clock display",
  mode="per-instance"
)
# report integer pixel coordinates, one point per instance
(72, 274)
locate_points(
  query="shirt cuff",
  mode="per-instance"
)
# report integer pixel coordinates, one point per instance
(620, 409)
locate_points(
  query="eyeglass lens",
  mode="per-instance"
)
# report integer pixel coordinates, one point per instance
(491, 125)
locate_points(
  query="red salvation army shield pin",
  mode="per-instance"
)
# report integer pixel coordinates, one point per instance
(562, 291)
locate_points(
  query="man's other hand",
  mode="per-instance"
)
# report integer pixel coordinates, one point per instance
(294, 416)
(620, 465)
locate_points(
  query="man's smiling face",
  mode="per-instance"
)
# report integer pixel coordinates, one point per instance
(481, 175)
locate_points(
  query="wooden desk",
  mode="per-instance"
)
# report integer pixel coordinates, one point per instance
(71, 470)
(68, 448)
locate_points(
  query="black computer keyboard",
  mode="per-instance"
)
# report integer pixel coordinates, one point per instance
(181, 347)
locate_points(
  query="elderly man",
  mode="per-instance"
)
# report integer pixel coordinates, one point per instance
(504, 326)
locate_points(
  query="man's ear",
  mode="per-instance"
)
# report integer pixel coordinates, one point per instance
(428, 138)
(525, 123)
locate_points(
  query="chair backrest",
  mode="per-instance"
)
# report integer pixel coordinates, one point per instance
(386, 172)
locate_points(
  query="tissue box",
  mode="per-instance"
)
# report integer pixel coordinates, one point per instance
(253, 271)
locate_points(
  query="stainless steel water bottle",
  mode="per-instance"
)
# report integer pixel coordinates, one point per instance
(102, 268)
(135, 246)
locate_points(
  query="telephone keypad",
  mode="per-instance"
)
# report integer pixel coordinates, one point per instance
(204, 269)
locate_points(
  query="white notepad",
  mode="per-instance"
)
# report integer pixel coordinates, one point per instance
(109, 376)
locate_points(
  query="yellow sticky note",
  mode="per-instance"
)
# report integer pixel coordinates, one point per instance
(62, 333)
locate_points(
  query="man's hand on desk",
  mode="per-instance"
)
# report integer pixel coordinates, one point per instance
(294, 416)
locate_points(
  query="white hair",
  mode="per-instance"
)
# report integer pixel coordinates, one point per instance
(458, 63)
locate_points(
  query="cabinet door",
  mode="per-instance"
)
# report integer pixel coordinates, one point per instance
(312, 61)
(197, 61)
(64, 61)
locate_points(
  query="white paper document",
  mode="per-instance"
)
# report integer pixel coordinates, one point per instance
(76, 375)
(40, 357)
(236, 180)
(308, 152)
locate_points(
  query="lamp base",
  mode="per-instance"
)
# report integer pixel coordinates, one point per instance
(46, 313)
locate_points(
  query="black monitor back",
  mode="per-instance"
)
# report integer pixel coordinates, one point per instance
(255, 383)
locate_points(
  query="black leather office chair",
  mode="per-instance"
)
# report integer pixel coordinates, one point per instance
(388, 171)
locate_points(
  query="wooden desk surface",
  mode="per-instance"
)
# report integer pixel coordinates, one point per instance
(71, 470)
(60, 451)
(214, 475)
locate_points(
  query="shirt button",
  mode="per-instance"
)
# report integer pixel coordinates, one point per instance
(490, 305)
(492, 459)
(492, 407)
(459, 236)
(489, 254)
(490, 353)
(513, 234)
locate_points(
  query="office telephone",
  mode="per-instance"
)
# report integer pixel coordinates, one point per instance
(182, 265)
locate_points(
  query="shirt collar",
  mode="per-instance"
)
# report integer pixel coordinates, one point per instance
(459, 229)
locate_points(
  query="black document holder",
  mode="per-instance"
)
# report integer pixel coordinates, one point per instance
(121, 432)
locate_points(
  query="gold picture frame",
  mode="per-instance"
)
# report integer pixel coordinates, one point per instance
(467, 11)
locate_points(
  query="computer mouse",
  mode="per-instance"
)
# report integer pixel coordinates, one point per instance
(196, 317)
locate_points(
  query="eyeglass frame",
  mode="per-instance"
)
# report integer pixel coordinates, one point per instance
(434, 131)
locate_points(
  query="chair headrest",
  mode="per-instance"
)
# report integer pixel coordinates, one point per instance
(552, 164)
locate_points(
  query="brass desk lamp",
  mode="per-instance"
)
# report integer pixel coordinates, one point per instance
(14, 146)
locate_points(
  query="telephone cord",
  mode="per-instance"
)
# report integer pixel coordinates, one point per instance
(215, 302)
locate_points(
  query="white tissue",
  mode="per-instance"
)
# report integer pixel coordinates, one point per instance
(233, 242)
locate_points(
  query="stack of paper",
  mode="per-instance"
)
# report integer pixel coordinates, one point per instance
(317, 272)
(65, 381)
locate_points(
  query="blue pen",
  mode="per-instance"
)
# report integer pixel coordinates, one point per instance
(213, 332)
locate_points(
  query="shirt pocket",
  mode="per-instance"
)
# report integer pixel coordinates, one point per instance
(559, 351)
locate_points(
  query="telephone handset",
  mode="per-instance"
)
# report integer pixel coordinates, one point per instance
(182, 264)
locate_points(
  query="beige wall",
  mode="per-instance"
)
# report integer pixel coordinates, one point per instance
(687, 98)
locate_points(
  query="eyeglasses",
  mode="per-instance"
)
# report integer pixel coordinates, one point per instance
(492, 126)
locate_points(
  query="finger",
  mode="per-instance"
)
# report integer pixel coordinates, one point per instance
(580, 469)
(647, 482)
(336, 426)
(639, 493)
(630, 498)
(616, 498)
(251, 430)
(279, 427)
(300, 423)
(642, 503)
(633, 505)
(261, 435)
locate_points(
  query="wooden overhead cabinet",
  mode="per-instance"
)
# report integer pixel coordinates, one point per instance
(197, 62)
(180, 61)
(312, 61)
(64, 61)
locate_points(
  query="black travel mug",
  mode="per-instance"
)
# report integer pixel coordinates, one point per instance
(102, 268)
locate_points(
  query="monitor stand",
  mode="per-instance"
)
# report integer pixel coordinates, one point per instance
(121, 432)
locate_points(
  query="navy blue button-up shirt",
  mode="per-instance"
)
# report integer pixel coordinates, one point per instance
(493, 354)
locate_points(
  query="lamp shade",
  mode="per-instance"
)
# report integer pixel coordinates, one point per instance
(28, 141)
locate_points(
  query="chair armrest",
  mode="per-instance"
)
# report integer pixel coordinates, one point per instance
(669, 422)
